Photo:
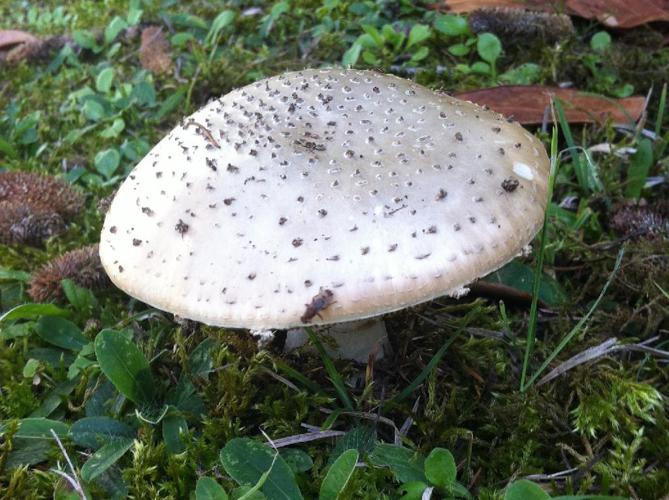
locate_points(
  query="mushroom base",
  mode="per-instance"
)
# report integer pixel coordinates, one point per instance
(354, 340)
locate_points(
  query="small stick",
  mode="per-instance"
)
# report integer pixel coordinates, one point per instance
(205, 131)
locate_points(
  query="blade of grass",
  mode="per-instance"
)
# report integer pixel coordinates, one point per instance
(660, 115)
(538, 271)
(574, 331)
(293, 373)
(408, 390)
(586, 177)
(333, 374)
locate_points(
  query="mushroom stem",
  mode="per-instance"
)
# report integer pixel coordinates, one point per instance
(353, 340)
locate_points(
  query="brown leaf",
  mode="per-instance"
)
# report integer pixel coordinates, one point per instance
(621, 13)
(154, 50)
(10, 38)
(613, 13)
(529, 104)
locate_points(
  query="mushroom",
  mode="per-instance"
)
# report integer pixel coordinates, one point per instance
(323, 196)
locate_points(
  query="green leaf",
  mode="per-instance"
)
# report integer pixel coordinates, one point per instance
(418, 34)
(640, 165)
(8, 149)
(104, 80)
(82, 299)
(125, 366)
(170, 103)
(521, 276)
(352, 55)
(221, 21)
(105, 457)
(145, 93)
(489, 47)
(525, 74)
(174, 430)
(107, 161)
(404, 464)
(86, 40)
(113, 130)
(376, 37)
(451, 25)
(59, 394)
(420, 54)
(40, 428)
(333, 374)
(338, 475)
(93, 110)
(459, 49)
(208, 489)
(440, 468)
(600, 41)
(112, 30)
(134, 16)
(200, 362)
(245, 460)
(361, 437)
(481, 68)
(61, 333)
(297, 460)
(525, 490)
(413, 490)
(32, 311)
(94, 432)
(7, 274)
(370, 58)
(30, 368)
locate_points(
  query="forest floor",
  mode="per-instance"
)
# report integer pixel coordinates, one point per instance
(87, 88)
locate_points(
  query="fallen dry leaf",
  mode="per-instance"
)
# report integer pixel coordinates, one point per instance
(621, 13)
(529, 104)
(16, 45)
(612, 13)
(10, 38)
(154, 50)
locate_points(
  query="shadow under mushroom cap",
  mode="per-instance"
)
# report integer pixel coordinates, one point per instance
(375, 188)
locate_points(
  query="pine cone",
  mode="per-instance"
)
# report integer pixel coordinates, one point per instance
(82, 266)
(44, 194)
(19, 225)
(35, 207)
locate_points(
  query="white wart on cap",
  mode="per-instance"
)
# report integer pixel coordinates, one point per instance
(365, 190)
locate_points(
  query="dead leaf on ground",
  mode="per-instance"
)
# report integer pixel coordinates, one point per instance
(154, 51)
(529, 104)
(612, 13)
(10, 38)
(17, 45)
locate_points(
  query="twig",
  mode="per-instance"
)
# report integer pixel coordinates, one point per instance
(205, 132)
(305, 438)
(72, 479)
(404, 429)
(607, 347)
(368, 416)
(554, 475)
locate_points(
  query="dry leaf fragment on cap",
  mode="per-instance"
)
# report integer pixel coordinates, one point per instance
(530, 104)
(323, 196)
(154, 51)
(81, 266)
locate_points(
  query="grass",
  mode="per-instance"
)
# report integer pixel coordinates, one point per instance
(463, 372)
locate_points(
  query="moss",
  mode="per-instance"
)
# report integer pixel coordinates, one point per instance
(604, 417)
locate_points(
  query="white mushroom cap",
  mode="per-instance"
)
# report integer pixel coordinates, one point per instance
(367, 190)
